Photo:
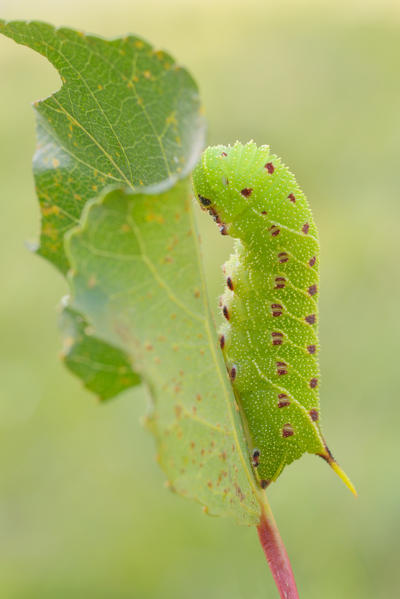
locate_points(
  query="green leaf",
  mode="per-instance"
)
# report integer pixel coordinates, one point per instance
(126, 114)
(137, 277)
(105, 370)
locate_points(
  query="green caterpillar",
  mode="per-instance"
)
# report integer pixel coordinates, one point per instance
(270, 333)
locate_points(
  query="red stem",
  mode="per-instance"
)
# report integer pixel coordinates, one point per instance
(276, 555)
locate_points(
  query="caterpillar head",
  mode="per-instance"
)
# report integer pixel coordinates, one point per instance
(230, 179)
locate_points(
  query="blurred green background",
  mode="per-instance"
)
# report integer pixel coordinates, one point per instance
(83, 509)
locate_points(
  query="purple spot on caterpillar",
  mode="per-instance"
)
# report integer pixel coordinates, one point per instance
(255, 458)
(314, 415)
(313, 383)
(287, 430)
(246, 192)
(270, 167)
(224, 154)
(311, 349)
(276, 309)
(312, 261)
(215, 215)
(222, 342)
(264, 483)
(283, 257)
(225, 312)
(312, 290)
(280, 282)
(232, 373)
(305, 228)
(284, 401)
(205, 201)
(264, 212)
(292, 198)
(229, 283)
(281, 368)
(274, 231)
(277, 338)
(311, 318)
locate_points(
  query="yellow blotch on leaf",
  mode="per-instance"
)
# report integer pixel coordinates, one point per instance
(153, 217)
(50, 210)
(49, 231)
(171, 119)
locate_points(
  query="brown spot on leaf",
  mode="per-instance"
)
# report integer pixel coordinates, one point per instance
(312, 260)
(222, 342)
(270, 167)
(311, 318)
(292, 198)
(314, 415)
(246, 192)
(232, 373)
(305, 228)
(229, 283)
(225, 312)
(239, 492)
(313, 383)
(311, 349)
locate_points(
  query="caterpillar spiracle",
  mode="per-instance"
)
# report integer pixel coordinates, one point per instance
(269, 336)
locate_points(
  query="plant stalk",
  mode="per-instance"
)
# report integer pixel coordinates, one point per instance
(275, 552)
